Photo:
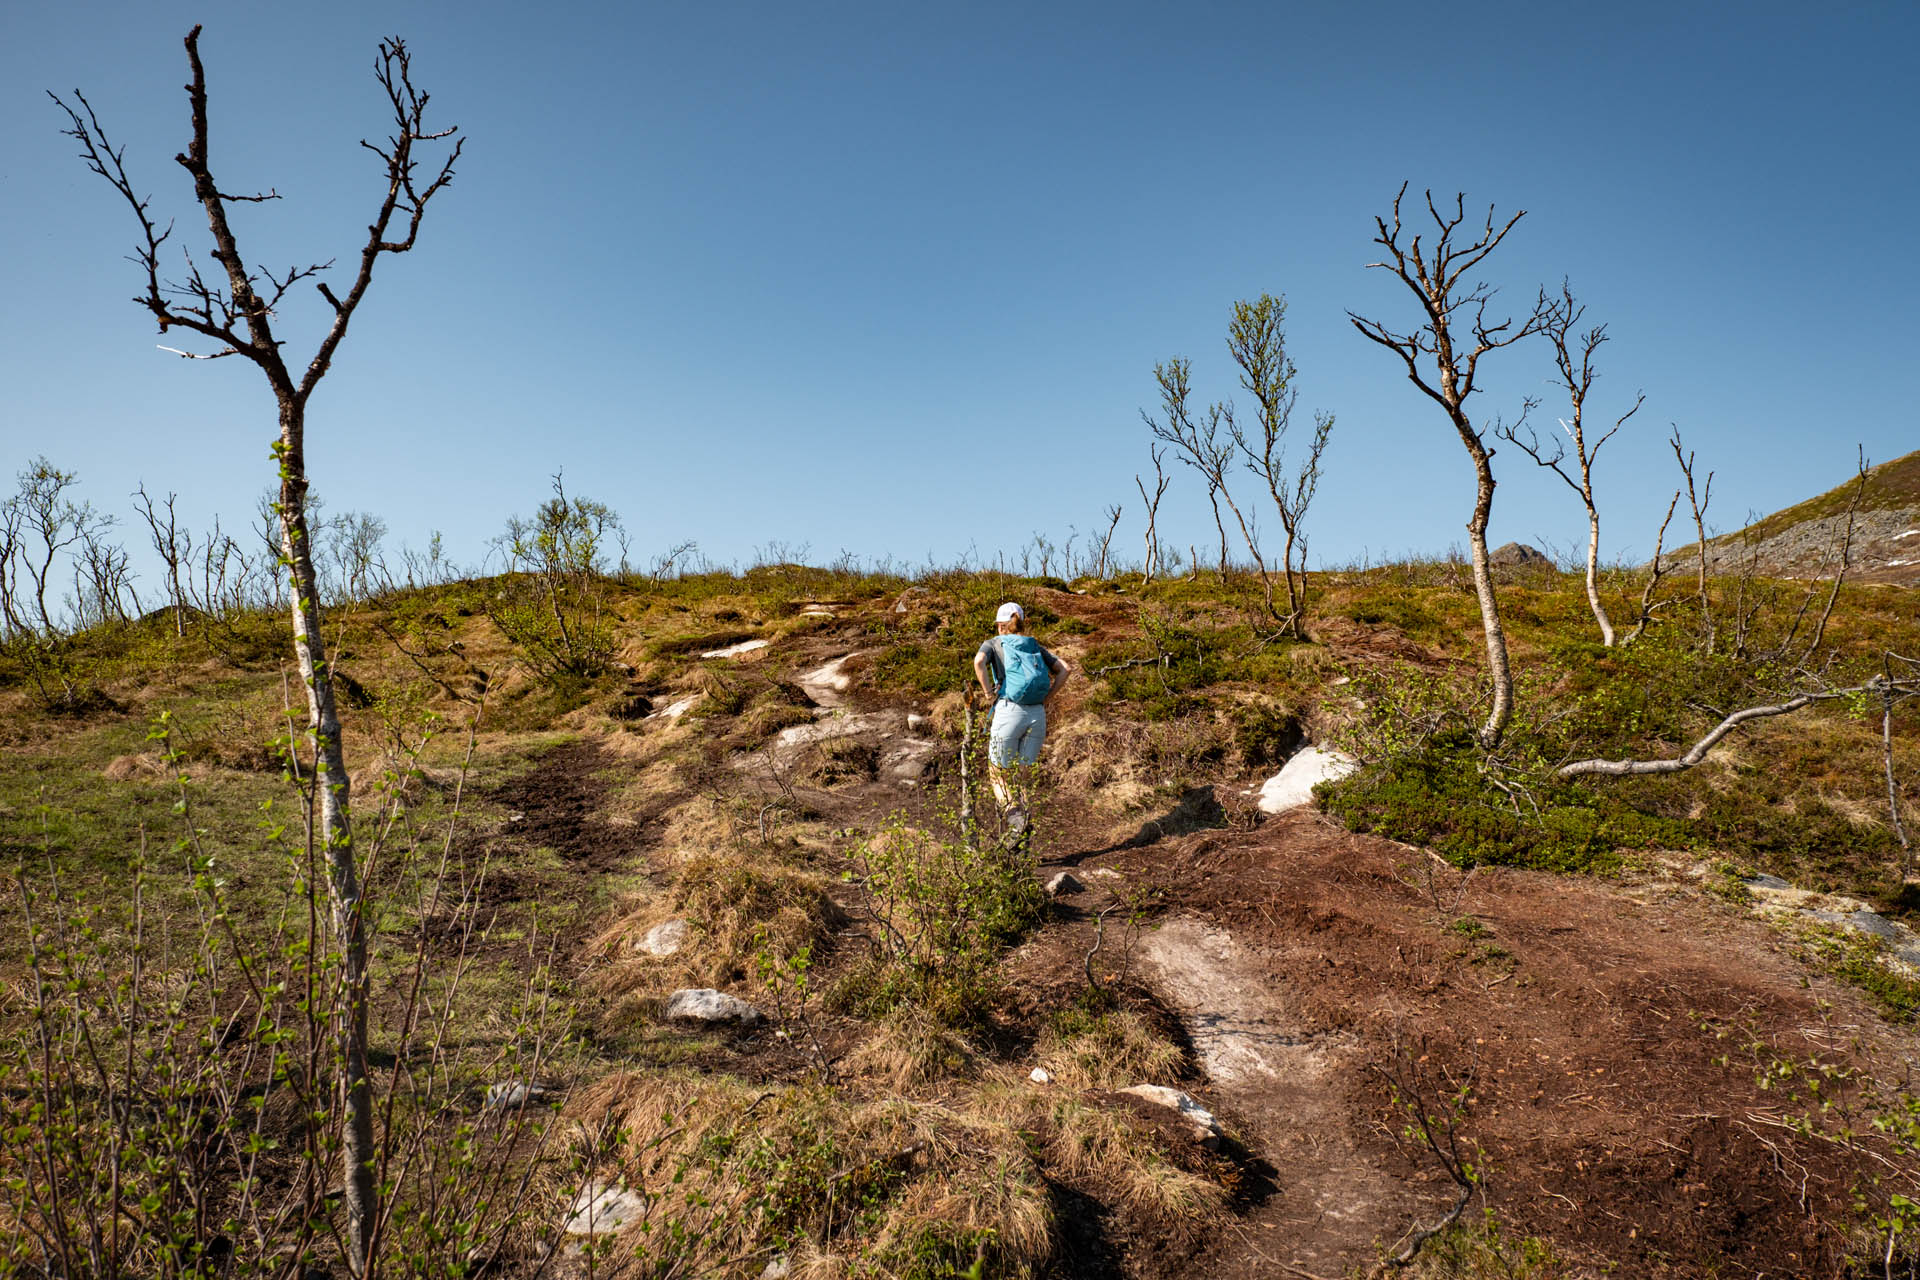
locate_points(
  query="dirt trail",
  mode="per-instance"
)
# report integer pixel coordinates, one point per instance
(1284, 1084)
(1608, 1116)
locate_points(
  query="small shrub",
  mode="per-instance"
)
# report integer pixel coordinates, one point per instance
(944, 909)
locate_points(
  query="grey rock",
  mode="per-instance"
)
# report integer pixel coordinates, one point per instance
(735, 650)
(1064, 882)
(678, 708)
(909, 761)
(1766, 882)
(517, 1093)
(708, 1007)
(602, 1208)
(1867, 922)
(828, 683)
(664, 939)
(777, 1269)
(1518, 555)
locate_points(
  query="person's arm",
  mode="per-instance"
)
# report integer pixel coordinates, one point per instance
(983, 672)
(1057, 671)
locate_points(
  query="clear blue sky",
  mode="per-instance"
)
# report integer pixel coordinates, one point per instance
(892, 279)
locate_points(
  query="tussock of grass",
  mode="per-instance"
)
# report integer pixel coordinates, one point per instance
(1106, 1050)
(910, 1050)
(734, 906)
(913, 1189)
(1105, 1148)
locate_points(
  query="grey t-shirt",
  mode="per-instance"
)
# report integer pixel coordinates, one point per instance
(990, 649)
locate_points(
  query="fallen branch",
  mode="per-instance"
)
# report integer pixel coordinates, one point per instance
(1878, 686)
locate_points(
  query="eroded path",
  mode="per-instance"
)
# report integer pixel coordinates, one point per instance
(1270, 1073)
(1605, 1107)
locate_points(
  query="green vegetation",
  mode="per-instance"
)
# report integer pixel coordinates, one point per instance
(879, 953)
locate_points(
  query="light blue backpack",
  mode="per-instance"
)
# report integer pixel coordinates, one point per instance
(1026, 679)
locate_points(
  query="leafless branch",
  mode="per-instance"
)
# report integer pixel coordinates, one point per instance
(1877, 687)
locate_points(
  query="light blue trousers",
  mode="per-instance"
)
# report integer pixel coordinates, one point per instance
(1016, 734)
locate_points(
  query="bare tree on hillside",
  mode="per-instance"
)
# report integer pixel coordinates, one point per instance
(102, 577)
(56, 522)
(1573, 359)
(1153, 510)
(1104, 564)
(1258, 344)
(236, 311)
(1698, 498)
(1201, 446)
(12, 622)
(172, 544)
(1453, 336)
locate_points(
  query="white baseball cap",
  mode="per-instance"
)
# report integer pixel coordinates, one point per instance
(1009, 611)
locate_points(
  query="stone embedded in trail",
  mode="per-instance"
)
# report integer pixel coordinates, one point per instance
(735, 650)
(1293, 785)
(909, 760)
(836, 725)
(710, 1007)
(1204, 1125)
(664, 939)
(828, 683)
(1064, 883)
(602, 1208)
(1040, 1075)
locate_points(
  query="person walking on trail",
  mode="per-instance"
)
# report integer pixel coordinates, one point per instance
(1020, 677)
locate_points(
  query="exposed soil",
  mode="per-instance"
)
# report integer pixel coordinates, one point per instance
(1299, 956)
(1297, 961)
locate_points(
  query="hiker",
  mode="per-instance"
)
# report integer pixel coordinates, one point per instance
(1020, 678)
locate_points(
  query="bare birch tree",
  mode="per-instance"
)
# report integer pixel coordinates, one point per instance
(1442, 355)
(236, 313)
(1153, 511)
(1573, 360)
(1698, 498)
(56, 523)
(1257, 341)
(1201, 446)
(1103, 566)
(173, 545)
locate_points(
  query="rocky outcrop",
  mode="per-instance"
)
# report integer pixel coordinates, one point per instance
(1518, 555)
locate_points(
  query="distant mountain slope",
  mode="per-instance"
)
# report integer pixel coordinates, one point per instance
(1801, 541)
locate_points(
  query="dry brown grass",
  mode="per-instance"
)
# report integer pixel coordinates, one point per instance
(911, 1050)
(734, 905)
(1117, 1049)
(868, 1183)
(1096, 1146)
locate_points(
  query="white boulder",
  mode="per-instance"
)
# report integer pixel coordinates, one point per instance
(517, 1093)
(711, 1008)
(602, 1208)
(1293, 785)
